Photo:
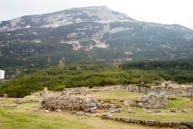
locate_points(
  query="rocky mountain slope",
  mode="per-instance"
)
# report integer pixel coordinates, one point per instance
(90, 33)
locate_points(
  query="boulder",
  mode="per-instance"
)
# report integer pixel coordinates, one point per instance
(58, 110)
(183, 127)
(35, 110)
(173, 110)
(157, 111)
(46, 111)
(185, 110)
(149, 112)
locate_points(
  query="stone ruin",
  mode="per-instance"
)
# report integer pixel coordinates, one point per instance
(182, 92)
(153, 101)
(172, 124)
(70, 103)
(75, 91)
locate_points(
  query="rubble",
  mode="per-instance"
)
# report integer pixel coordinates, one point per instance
(153, 101)
(173, 110)
(185, 110)
(46, 111)
(23, 101)
(8, 106)
(173, 124)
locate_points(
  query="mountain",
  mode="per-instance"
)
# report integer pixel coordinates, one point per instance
(90, 33)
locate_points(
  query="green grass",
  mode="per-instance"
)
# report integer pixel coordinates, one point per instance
(7, 101)
(178, 102)
(165, 115)
(20, 118)
(24, 117)
(115, 95)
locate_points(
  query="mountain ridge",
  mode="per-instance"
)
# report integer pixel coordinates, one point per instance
(90, 33)
(89, 7)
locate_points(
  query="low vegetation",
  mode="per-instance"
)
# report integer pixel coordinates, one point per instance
(99, 74)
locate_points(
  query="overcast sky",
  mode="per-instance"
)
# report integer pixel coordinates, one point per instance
(160, 11)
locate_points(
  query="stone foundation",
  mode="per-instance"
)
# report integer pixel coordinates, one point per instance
(153, 101)
(149, 122)
(71, 103)
(186, 92)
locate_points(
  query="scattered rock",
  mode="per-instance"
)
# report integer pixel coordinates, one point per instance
(116, 110)
(18, 101)
(58, 110)
(183, 127)
(78, 113)
(171, 124)
(149, 112)
(185, 110)
(126, 102)
(21, 101)
(157, 111)
(171, 98)
(106, 115)
(173, 110)
(36, 109)
(153, 101)
(8, 106)
(91, 115)
(129, 111)
(46, 111)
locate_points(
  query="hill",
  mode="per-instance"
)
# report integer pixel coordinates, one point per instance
(90, 33)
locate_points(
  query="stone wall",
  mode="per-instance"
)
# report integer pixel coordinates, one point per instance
(149, 122)
(75, 91)
(71, 103)
(187, 92)
(153, 101)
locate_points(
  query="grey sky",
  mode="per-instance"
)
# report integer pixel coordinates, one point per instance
(161, 11)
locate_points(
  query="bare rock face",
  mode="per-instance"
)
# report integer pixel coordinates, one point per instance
(153, 101)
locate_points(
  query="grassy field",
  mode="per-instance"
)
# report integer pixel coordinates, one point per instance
(165, 115)
(23, 117)
(115, 95)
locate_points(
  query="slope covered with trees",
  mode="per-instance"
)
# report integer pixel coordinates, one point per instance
(100, 74)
